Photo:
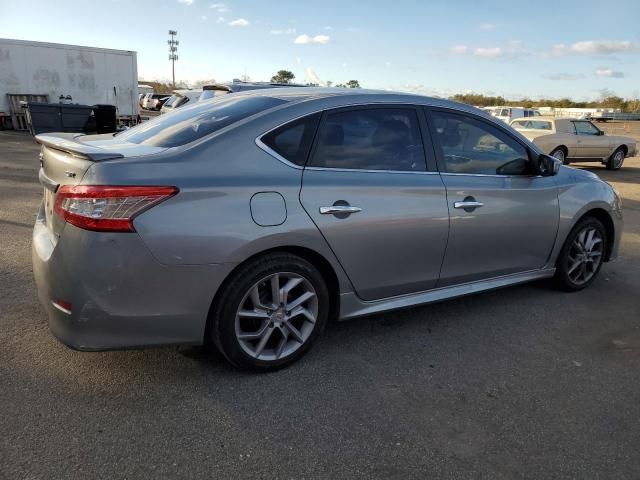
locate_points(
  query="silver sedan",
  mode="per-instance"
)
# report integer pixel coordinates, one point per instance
(251, 220)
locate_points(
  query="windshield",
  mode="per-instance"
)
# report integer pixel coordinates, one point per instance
(186, 125)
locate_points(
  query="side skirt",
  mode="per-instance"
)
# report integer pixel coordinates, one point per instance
(351, 306)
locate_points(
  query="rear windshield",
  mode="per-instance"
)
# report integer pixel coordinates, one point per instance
(184, 126)
(532, 125)
(207, 94)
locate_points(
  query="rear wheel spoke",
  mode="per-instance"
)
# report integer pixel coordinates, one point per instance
(302, 311)
(275, 289)
(263, 341)
(294, 332)
(300, 300)
(254, 335)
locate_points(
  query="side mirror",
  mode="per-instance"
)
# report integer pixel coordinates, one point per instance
(548, 165)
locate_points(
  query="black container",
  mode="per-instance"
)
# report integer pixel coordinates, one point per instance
(105, 116)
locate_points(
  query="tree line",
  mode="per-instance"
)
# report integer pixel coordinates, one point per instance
(631, 105)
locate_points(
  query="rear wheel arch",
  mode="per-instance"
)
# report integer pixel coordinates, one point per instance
(316, 259)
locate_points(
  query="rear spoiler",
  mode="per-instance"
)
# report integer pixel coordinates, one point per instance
(67, 142)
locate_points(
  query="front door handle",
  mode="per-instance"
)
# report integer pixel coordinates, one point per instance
(339, 209)
(466, 205)
(469, 204)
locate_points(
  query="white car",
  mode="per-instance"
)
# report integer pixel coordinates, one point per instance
(506, 114)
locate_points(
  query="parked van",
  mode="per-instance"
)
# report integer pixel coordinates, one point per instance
(506, 114)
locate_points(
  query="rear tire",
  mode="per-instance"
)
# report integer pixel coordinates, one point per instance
(561, 155)
(616, 160)
(582, 255)
(256, 332)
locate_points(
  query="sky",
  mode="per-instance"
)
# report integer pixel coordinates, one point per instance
(518, 48)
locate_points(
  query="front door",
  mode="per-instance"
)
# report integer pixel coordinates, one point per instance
(590, 144)
(503, 218)
(368, 189)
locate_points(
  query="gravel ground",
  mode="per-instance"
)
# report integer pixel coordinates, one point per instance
(524, 382)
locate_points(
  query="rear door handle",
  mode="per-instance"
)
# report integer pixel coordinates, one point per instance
(339, 209)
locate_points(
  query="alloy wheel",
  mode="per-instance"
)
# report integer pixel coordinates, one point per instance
(585, 255)
(618, 158)
(276, 316)
(559, 154)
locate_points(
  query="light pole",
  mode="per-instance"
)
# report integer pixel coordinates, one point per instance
(173, 53)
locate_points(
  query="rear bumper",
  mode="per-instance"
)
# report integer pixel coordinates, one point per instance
(120, 295)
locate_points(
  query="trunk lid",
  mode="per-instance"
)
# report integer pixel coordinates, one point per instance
(66, 157)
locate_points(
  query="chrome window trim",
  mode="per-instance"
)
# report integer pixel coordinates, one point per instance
(490, 175)
(275, 154)
(260, 144)
(333, 169)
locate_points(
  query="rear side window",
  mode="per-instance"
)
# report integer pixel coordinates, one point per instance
(293, 140)
(371, 139)
(191, 123)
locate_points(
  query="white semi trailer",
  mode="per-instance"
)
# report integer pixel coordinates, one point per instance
(88, 75)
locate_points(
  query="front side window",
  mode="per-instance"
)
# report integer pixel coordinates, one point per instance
(191, 123)
(293, 140)
(472, 146)
(371, 139)
(586, 128)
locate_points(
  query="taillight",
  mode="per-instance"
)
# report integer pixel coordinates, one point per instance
(105, 208)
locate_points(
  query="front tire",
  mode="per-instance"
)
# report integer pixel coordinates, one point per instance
(270, 312)
(616, 160)
(582, 255)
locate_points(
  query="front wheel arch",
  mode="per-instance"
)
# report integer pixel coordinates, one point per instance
(604, 218)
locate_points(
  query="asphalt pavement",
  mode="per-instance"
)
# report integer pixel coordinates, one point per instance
(524, 382)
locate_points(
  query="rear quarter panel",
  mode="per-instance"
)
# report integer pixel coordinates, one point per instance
(209, 221)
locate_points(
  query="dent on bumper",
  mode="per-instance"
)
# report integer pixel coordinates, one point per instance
(120, 295)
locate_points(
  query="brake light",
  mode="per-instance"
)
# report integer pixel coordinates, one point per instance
(104, 208)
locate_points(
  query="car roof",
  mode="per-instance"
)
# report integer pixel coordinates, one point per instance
(356, 95)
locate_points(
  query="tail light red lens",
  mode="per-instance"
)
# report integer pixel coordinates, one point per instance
(105, 208)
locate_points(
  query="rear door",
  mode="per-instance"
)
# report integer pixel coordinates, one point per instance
(503, 218)
(371, 188)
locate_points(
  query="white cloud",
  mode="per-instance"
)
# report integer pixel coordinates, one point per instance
(564, 76)
(186, 2)
(514, 49)
(328, 27)
(607, 72)
(459, 49)
(492, 52)
(220, 20)
(240, 22)
(487, 26)
(286, 31)
(304, 39)
(203, 17)
(219, 7)
(298, 60)
(311, 76)
(595, 47)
